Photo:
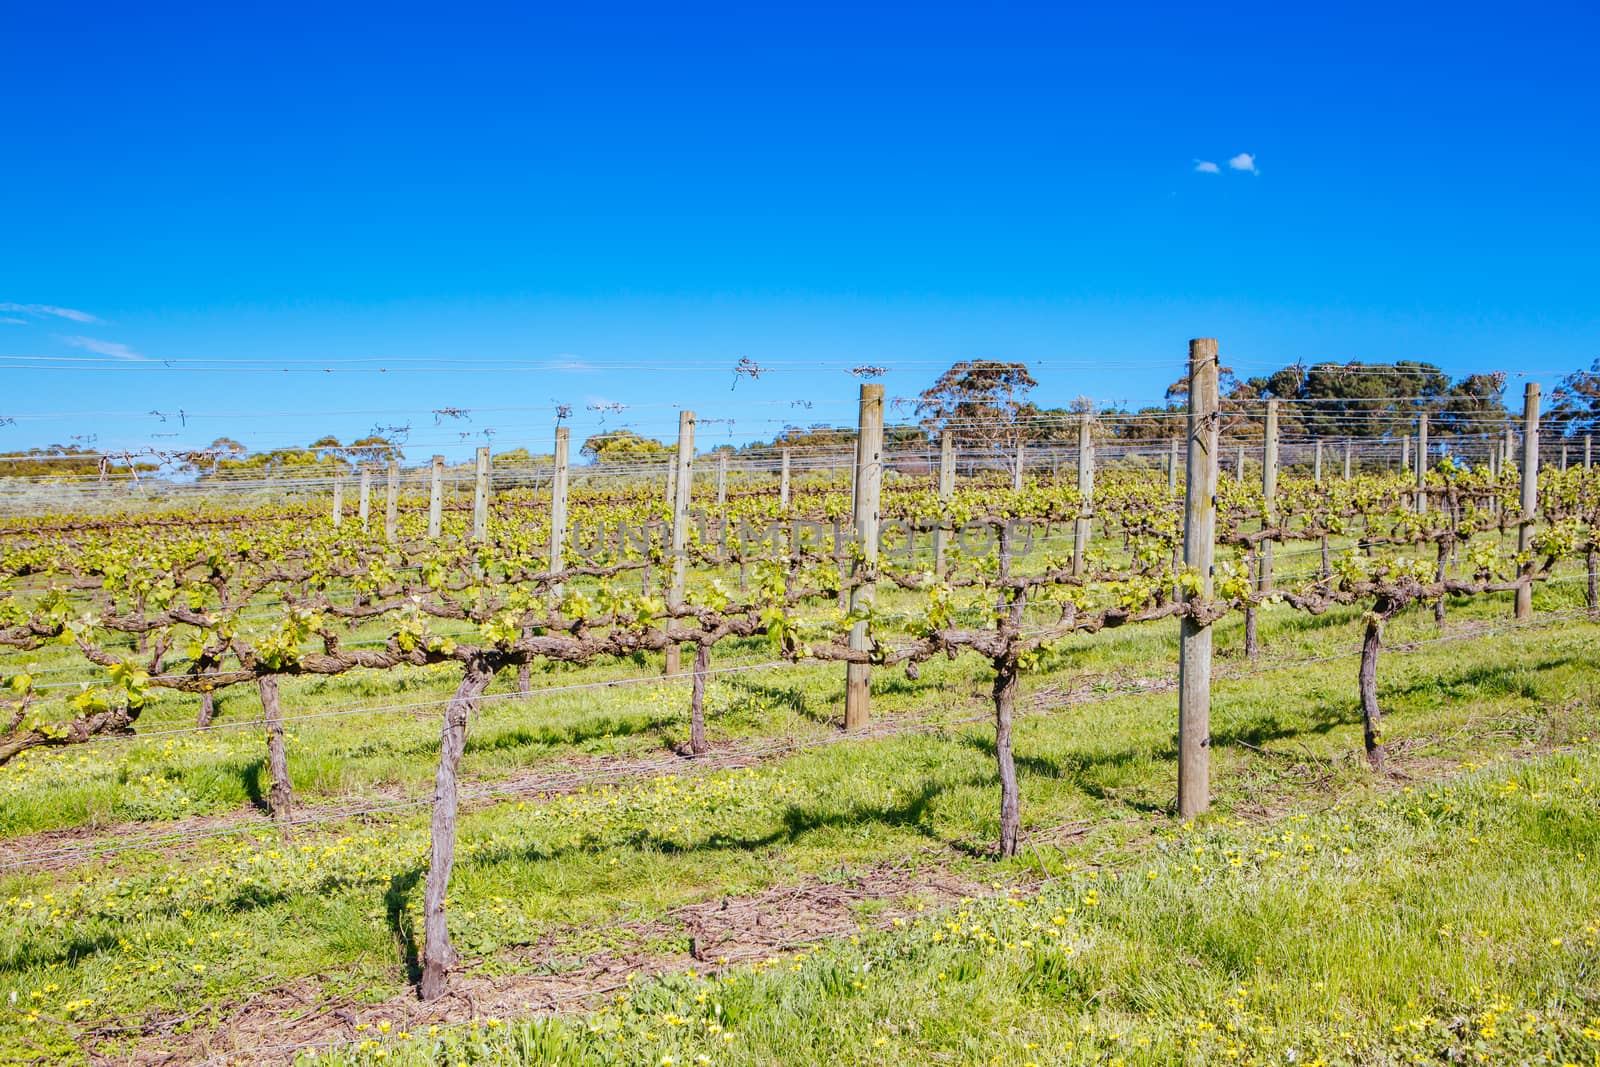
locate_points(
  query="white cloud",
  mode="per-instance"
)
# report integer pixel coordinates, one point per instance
(1205, 166)
(13, 322)
(50, 309)
(1244, 161)
(115, 349)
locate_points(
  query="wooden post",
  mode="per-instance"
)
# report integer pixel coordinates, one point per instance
(1316, 463)
(682, 483)
(1238, 466)
(558, 509)
(1563, 457)
(1405, 452)
(1587, 451)
(783, 481)
(338, 501)
(1530, 488)
(947, 487)
(1172, 469)
(391, 503)
(480, 497)
(1269, 492)
(869, 480)
(1199, 529)
(365, 507)
(722, 477)
(1083, 528)
(1016, 472)
(1422, 463)
(436, 498)
(1349, 447)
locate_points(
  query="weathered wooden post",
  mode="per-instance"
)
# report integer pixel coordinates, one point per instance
(947, 487)
(391, 502)
(436, 498)
(1269, 491)
(480, 497)
(1405, 452)
(682, 483)
(722, 477)
(1083, 527)
(338, 501)
(1348, 448)
(1316, 462)
(1587, 439)
(783, 481)
(1530, 489)
(1172, 469)
(1422, 463)
(558, 510)
(869, 480)
(1016, 471)
(364, 509)
(1199, 529)
(1238, 467)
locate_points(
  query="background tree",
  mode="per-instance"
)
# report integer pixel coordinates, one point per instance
(1474, 405)
(983, 401)
(1575, 404)
(622, 446)
(374, 448)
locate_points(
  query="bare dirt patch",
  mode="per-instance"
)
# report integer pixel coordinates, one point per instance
(548, 977)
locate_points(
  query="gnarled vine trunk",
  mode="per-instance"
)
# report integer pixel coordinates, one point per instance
(438, 954)
(1371, 715)
(1438, 576)
(1592, 557)
(208, 709)
(280, 797)
(697, 700)
(1005, 702)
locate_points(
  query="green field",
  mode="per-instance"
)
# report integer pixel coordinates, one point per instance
(799, 896)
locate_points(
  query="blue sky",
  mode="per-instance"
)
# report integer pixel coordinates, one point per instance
(511, 207)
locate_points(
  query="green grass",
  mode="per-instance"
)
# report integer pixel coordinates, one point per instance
(337, 912)
(1454, 923)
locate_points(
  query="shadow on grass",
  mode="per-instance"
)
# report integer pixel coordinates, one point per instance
(1081, 769)
(595, 729)
(401, 927)
(252, 778)
(1506, 679)
(796, 822)
(789, 696)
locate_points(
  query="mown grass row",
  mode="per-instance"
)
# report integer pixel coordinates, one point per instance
(192, 933)
(1456, 922)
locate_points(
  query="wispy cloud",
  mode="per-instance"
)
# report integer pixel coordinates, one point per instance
(1205, 166)
(13, 322)
(1244, 161)
(50, 309)
(114, 349)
